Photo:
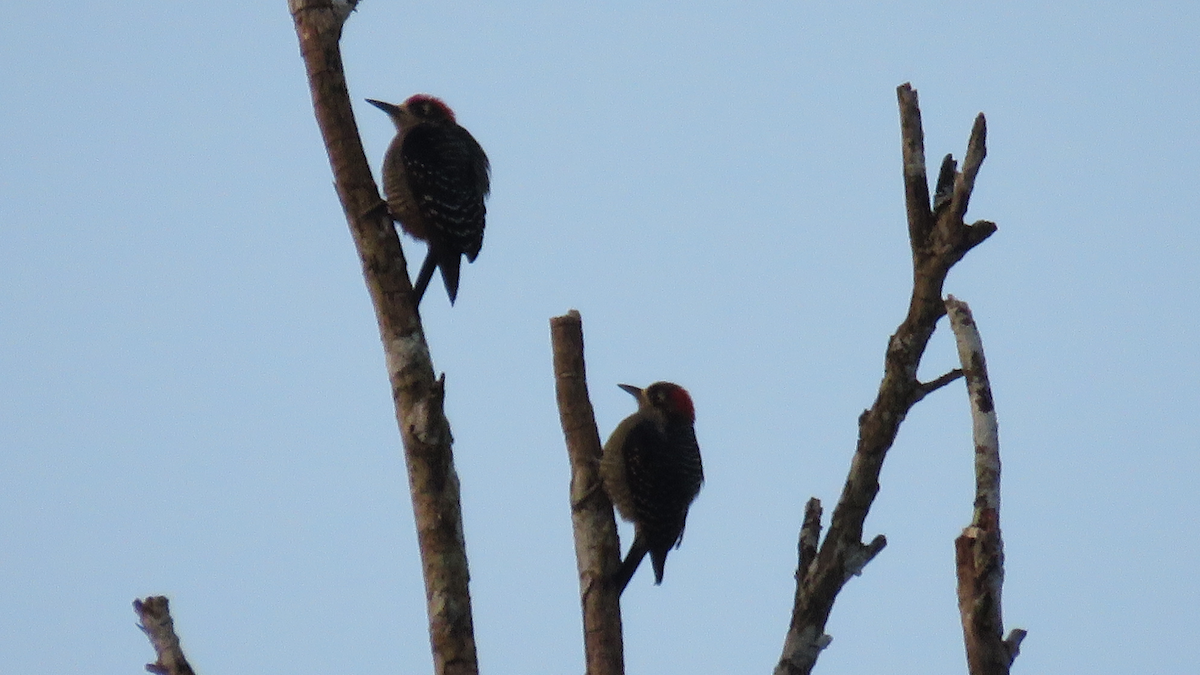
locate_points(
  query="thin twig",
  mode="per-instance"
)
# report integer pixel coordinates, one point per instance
(926, 388)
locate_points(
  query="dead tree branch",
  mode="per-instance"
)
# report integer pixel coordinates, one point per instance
(810, 536)
(154, 615)
(927, 388)
(417, 394)
(597, 548)
(979, 550)
(937, 242)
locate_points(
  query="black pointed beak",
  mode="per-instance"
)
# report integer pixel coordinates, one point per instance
(633, 391)
(385, 107)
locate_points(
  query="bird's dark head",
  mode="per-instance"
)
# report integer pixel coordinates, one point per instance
(428, 108)
(672, 399)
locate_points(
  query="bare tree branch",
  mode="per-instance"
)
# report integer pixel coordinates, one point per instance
(936, 246)
(926, 388)
(597, 548)
(417, 395)
(916, 184)
(810, 536)
(979, 551)
(154, 613)
(976, 151)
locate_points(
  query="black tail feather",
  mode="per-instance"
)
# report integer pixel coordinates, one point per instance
(425, 275)
(659, 560)
(637, 551)
(450, 262)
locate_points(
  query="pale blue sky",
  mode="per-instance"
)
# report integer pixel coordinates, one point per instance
(192, 393)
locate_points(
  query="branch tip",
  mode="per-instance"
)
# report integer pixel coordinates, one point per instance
(976, 152)
(1015, 637)
(926, 388)
(810, 536)
(944, 193)
(978, 231)
(863, 554)
(154, 614)
(976, 146)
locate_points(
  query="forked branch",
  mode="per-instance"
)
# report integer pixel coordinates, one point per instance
(938, 240)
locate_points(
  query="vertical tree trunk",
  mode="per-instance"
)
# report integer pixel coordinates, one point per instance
(597, 548)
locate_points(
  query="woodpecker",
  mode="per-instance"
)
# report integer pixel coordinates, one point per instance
(436, 177)
(652, 472)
